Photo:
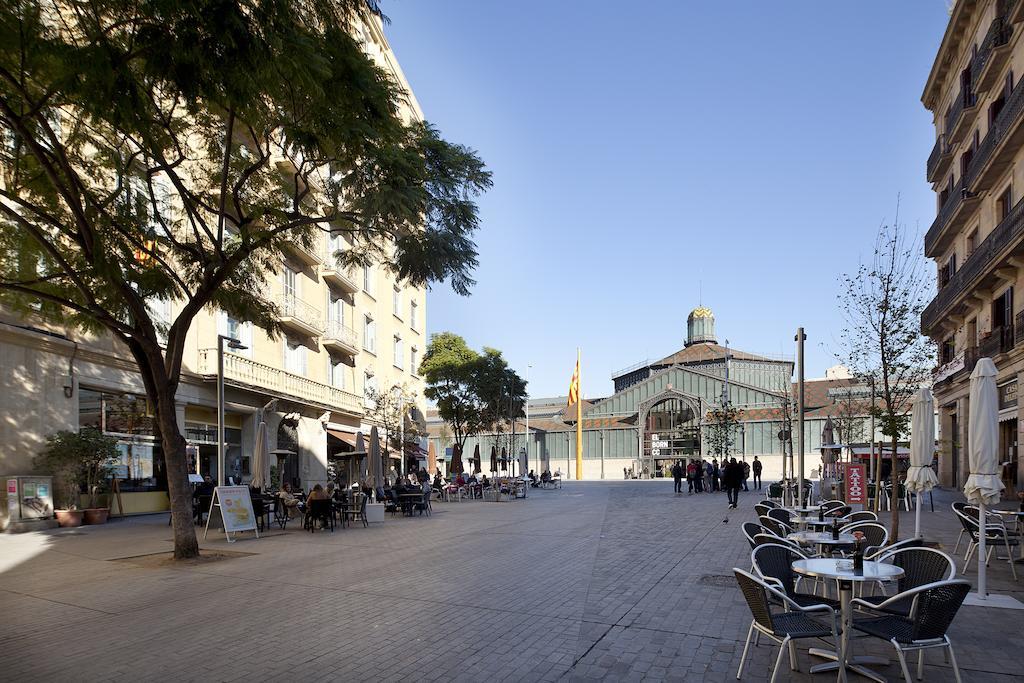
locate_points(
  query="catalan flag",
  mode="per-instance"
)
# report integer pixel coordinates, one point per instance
(574, 384)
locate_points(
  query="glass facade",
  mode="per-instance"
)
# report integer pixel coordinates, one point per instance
(128, 417)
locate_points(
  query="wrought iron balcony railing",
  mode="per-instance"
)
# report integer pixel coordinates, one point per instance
(940, 153)
(293, 309)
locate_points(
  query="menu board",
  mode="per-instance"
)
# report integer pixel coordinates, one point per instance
(235, 508)
(856, 491)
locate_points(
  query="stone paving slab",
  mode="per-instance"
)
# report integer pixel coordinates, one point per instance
(615, 580)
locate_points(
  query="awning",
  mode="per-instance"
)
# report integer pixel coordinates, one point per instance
(1007, 414)
(350, 439)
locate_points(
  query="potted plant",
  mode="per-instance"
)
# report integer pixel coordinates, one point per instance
(78, 460)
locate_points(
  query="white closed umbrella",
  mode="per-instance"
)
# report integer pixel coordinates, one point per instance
(259, 457)
(920, 476)
(376, 463)
(983, 485)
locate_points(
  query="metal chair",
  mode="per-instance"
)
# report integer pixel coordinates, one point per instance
(775, 526)
(761, 509)
(899, 545)
(840, 511)
(773, 562)
(958, 507)
(356, 511)
(937, 605)
(751, 529)
(782, 627)
(781, 515)
(860, 516)
(875, 535)
(995, 535)
(768, 502)
(318, 510)
(921, 566)
(830, 505)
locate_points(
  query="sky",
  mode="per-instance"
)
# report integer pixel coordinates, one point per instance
(738, 154)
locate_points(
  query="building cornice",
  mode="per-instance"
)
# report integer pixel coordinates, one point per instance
(949, 51)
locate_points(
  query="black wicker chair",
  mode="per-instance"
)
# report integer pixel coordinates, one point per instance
(774, 563)
(937, 605)
(782, 516)
(875, 535)
(858, 517)
(769, 503)
(831, 505)
(782, 627)
(356, 511)
(899, 545)
(921, 566)
(775, 526)
(424, 505)
(761, 509)
(318, 511)
(958, 509)
(751, 529)
(996, 535)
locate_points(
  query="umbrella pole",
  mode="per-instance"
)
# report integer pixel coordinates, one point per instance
(982, 532)
(917, 515)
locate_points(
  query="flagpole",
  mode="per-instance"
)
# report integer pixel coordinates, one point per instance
(579, 419)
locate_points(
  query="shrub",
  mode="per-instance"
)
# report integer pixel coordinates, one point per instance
(77, 460)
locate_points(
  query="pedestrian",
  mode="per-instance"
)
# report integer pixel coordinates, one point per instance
(746, 474)
(691, 476)
(708, 475)
(716, 475)
(756, 469)
(625, 473)
(677, 477)
(699, 475)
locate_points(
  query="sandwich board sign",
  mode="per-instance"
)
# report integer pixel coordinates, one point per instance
(235, 510)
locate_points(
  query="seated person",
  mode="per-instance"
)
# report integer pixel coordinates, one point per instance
(317, 493)
(545, 476)
(460, 481)
(206, 488)
(439, 483)
(289, 501)
(485, 482)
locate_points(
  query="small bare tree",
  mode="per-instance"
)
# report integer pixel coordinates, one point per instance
(882, 302)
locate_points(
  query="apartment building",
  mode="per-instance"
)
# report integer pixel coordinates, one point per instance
(975, 93)
(346, 330)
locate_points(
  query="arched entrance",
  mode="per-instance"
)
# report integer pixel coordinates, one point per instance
(669, 429)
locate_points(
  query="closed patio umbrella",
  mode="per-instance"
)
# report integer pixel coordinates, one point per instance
(376, 462)
(494, 460)
(920, 477)
(259, 457)
(363, 461)
(504, 459)
(431, 458)
(476, 459)
(983, 485)
(456, 466)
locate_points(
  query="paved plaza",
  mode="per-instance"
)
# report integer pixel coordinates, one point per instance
(616, 580)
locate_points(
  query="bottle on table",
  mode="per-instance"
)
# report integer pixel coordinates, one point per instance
(835, 529)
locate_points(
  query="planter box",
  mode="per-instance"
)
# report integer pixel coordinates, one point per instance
(69, 518)
(96, 515)
(375, 512)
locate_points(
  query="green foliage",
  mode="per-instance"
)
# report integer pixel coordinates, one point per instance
(473, 391)
(77, 460)
(721, 430)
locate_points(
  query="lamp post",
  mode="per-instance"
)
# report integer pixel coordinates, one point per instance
(233, 344)
(800, 339)
(528, 417)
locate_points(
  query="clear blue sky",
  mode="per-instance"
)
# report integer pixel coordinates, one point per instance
(754, 147)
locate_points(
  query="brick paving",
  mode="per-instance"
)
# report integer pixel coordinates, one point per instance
(617, 580)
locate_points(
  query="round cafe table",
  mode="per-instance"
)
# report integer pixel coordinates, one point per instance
(842, 571)
(822, 539)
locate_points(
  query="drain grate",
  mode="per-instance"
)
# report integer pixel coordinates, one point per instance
(717, 580)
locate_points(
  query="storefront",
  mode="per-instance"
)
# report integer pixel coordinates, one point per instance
(1008, 436)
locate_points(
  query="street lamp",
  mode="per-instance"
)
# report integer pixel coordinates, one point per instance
(528, 417)
(233, 344)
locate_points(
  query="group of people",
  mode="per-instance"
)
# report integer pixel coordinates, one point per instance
(705, 477)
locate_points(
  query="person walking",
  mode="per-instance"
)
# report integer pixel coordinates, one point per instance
(691, 473)
(708, 471)
(698, 474)
(716, 475)
(746, 473)
(735, 481)
(677, 477)
(756, 469)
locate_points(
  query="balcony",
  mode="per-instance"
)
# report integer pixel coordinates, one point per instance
(938, 160)
(960, 116)
(961, 365)
(248, 374)
(335, 274)
(995, 153)
(978, 271)
(298, 316)
(951, 216)
(1000, 340)
(338, 337)
(992, 54)
(311, 255)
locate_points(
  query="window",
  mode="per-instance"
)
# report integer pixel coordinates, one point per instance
(947, 352)
(294, 356)
(368, 279)
(335, 245)
(398, 351)
(289, 283)
(336, 371)
(160, 312)
(369, 334)
(230, 327)
(1004, 203)
(336, 310)
(413, 320)
(972, 241)
(396, 302)
(414, 367)
(946, 272)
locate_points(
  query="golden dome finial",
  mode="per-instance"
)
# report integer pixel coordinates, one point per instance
(702, 312)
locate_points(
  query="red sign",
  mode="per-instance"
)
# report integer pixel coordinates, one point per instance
(856, 484)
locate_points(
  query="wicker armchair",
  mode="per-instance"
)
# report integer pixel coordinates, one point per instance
(783, 627)
(937, 605)
(751, 529)
(921, 566)
(782, 516)
(773, 562)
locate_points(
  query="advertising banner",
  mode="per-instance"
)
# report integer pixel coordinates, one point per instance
(856, 484)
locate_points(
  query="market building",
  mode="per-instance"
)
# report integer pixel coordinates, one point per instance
(975, 94)
(346, 332)
(660, 409)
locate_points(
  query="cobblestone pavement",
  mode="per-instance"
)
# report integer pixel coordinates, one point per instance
(616, 580)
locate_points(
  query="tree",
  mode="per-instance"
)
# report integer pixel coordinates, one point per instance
(882, 303)
(449, 368)
(503, 394)
(388, 409)
(154, 151)
(722, 422)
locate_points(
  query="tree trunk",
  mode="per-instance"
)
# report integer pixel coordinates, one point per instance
(895, 477)
(178, 490)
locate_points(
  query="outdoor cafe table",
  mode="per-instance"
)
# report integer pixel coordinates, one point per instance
(842, 571)
(821, 539)
(408, 502)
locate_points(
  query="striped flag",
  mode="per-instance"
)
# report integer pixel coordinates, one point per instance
(574, 384)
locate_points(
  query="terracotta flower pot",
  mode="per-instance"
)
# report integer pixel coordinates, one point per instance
(96, 515)
(69, 518)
